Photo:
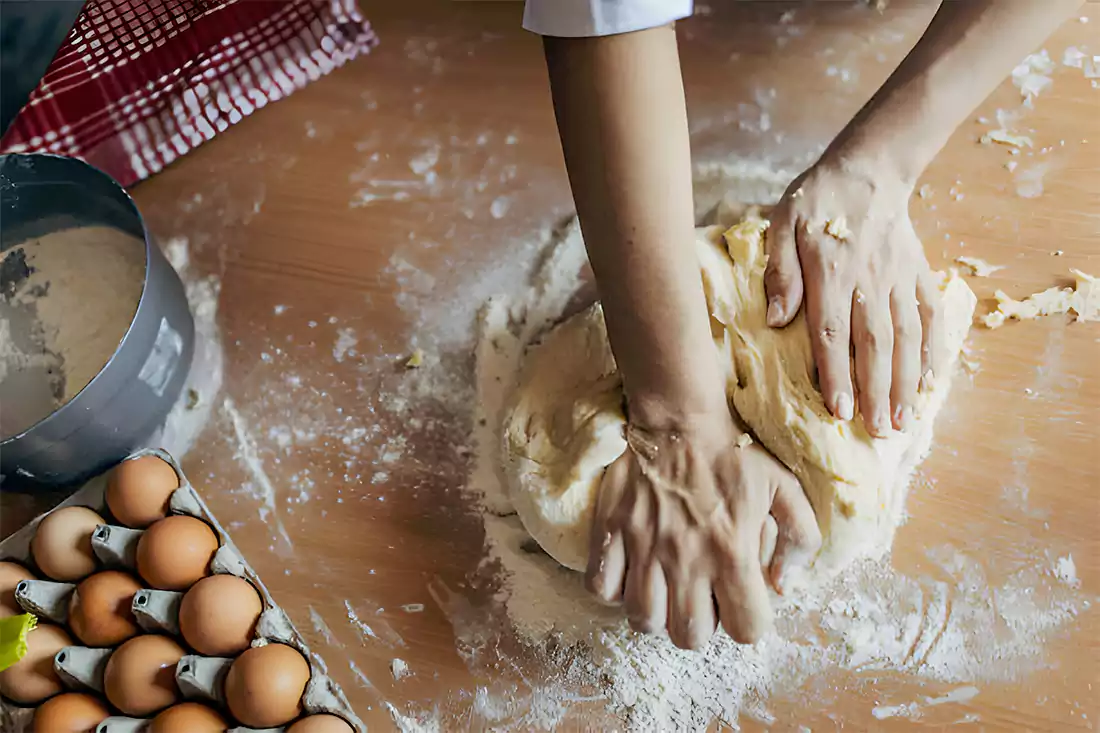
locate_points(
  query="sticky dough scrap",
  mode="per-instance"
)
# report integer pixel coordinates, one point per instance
(566, 422)
(1083, 300)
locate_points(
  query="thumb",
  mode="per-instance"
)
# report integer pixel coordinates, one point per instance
(798, 538)
(783, 276)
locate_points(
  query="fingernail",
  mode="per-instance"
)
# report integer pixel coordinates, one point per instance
(903, 417)
(845, 409)
(882, 424)
(775, 312)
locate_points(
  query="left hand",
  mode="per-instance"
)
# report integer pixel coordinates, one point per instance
(841, 240)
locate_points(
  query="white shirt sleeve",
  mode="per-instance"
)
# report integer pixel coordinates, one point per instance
(585, 18)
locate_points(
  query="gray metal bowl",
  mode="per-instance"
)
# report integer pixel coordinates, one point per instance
(131, 395)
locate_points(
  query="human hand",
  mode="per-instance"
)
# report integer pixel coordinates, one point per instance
(841, 240)
(679, 525)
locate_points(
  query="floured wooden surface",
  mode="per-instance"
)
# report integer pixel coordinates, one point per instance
(372, 215)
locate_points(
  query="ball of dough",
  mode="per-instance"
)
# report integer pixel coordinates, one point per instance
(566, 423)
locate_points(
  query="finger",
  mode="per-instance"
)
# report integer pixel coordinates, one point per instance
(873, 337)
(828, 315)
(930, 309)
(742, 594)
(691, 618)
(783, 276)
(646, 597)
(768, 534)
(606, 551)
(907, 357)
(798, 538)
(607, 570)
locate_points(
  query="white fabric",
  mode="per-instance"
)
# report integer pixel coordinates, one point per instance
(585, 18)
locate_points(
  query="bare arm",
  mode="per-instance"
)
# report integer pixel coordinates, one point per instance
(680, 515)
(968, 49)
(619, 102)
(868, 291)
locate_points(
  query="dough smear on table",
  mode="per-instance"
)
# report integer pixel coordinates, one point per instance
(566, 422)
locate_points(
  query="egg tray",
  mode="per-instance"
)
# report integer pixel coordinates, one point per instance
(199, 678)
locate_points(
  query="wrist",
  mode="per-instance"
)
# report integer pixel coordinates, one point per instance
(877, 161)
(898, 132)
(658, 413)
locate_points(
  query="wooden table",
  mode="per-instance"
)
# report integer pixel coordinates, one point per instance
(384, 203)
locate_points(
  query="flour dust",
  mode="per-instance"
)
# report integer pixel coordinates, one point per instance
(968, 625)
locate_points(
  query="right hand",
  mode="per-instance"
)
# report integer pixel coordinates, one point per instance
(678, 525)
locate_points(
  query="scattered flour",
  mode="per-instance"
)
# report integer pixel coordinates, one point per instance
(192, 411)
(259, 484)
(399, 668)
(965, 625)
(346, 341)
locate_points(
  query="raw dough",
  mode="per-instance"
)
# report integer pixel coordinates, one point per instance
(1083, 300)
(566, 423)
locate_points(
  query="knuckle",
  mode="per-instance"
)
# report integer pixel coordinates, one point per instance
(906, 329)
(831, 332)
(874, 337)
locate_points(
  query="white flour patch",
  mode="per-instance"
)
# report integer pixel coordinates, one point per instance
(409, 724)
(261, 487)
(377, 630)
(1029, 181)
(363, 629)
(1066, 571)
(346, 342)
(873, 619)
(322, 628)
(360, 676)
(191, 413)
(499, 208)
(915, 711)
(425, 162)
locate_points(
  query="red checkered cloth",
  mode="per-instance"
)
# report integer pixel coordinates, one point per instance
(139, 83)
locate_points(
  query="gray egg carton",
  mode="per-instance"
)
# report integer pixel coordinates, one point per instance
(200, 678)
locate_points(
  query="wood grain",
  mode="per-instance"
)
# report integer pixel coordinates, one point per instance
(267, 207)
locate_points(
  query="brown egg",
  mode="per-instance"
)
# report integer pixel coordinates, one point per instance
(321, 724)
(62, 544)
(139, 490)
(140, 678)
(265, 684)
(32, 679)
(73, 712)
(11, 573)
(218, 615)
(99, 610)
(188, 717)
(175, 553)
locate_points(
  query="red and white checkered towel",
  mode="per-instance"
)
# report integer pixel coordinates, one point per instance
(139, 83)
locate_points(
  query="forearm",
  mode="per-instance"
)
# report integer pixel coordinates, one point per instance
(619, 103)
(967, 50)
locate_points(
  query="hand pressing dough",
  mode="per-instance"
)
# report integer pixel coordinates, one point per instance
(567, 423)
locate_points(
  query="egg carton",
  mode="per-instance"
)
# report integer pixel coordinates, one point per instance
(200, 678)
